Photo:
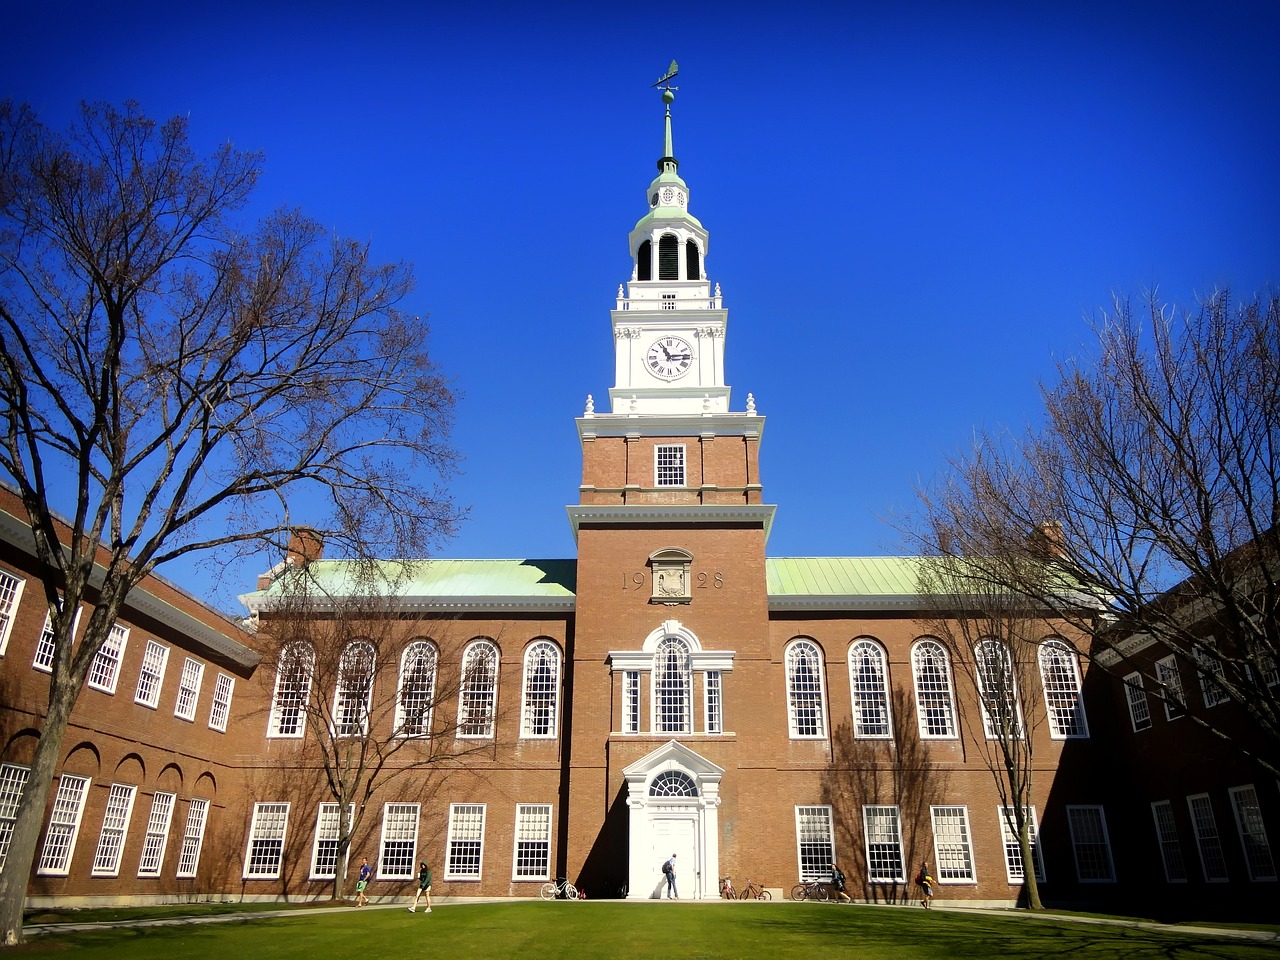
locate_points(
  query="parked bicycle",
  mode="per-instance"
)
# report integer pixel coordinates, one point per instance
(726, 889)
(561, 888)
(811, 890)
(754, 891)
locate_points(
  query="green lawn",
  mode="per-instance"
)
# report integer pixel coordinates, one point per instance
(600, 930)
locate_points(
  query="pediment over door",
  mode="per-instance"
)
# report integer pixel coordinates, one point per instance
(673, 755)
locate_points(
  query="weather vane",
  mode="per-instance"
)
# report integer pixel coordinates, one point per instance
(666, 78)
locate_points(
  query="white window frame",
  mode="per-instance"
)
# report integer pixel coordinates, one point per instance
(13, 777)
(295, 674)
(815, 841)
(155, 658)
(631, 701)
(1175, 864)
(713, 700)
(353, 691)
(540, 698)
(1210, 670)
(466, 826)
(156, 840)
(1091, 843)
(184, 706)
(193, 837)
(1063, 695)
(328, 830)
(1171, 691)
(664, 474)
(115, 827)
(264, 855)
(417, 688)
(64, 826)
(869, 687)
(104, 672)
(478, 696)
(531, 846)
(399, 835)
(1204, 825)
(220, 703)
(671, 688)
(803, 691)
(987, 684)
(882, 836)
(1252, 831)
(952, 844)
(932, 702)
(1014, 868)
(10, 596)
(45, 647)
(1135, 696)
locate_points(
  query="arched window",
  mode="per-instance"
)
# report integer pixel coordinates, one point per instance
(693, 270)
(417, 689)
(478, 698)
(997, 690)
(293, 690)
(541, 687)
(672, 687)
(804, 690)
(1060, 673)
(673, 783)
(935, 699)
(644, 261)
(868, 676)
(669, 257)
(351, 699)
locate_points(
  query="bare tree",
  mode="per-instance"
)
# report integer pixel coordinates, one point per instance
(172, 384)
(1153, 488)
(377, 697)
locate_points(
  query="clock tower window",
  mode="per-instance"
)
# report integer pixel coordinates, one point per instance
(644, 261)
(669, 257)
(669, 465)
(692, 268)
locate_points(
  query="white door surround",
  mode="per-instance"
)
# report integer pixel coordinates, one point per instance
(673, 798)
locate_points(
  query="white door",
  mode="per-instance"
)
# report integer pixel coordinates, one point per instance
(678, 836)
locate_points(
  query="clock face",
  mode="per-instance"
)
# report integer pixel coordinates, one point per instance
(669, 358)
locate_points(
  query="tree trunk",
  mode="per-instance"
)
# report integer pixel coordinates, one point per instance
(1030, 880)
(30, 813)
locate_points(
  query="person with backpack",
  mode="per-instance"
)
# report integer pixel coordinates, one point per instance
(926, 885)
(837, 884)
(669, 871)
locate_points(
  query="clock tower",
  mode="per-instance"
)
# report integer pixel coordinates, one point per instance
(671, 654)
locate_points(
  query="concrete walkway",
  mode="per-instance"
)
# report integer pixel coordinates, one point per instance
(1226, 933)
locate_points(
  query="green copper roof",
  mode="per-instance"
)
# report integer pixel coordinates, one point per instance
(831, 577)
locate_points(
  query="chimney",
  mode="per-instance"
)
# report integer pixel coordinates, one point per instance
(1047, 540)
(305, 545)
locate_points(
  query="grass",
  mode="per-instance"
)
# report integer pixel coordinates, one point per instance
(605, 930)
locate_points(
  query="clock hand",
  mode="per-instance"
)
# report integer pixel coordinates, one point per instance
(665, 352)
(679, 356)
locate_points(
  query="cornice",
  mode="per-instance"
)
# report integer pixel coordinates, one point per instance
(657, 514)
(259, 603)
(722, 424)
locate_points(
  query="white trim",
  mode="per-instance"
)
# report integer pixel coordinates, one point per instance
(115, 828)
(330, 824)
(10, 609)
(273, 819)
(399, 827)
(1088, 826)
(184, 706)
(964, 842)
(156, 839)
(473, 828)
(529, 820)
(104, 672)
(221, 699)
(64, 826)
(540, 646)
(193, 837)
(152, 700)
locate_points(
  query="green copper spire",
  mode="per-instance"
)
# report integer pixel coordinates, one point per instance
(668, 163)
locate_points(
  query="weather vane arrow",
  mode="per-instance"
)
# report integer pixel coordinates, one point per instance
(669, 75)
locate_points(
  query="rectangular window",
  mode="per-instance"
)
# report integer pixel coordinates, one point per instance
(1208, 840)
(1171, 687)
(12, 779)
(189, 690)
(193, 838)
(220, 709)
(715, 708)
(1013, 864)
(266, 841)
(105, 669)
(815, 842)
(884, 844)
(533, 842)
(1175, 868)
(1139, 708)
(64, 826)
(1209, 667)
(1091, 845)
(1253, 834)
(152, 674)
(45, 646)
(669, 465)
(465, 847)
(153, 846)
(631, 701)
(952, 845)
(399, 841)
(10, 594)
(115, 825)
(324, 855)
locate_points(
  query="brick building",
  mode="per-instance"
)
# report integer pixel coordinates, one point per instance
(672, 689)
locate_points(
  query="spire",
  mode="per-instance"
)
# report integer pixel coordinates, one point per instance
(668, 162)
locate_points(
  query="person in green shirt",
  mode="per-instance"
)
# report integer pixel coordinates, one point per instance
(424, 886)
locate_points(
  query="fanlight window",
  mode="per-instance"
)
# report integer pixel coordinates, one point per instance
(672, 687)
(293, 689)
(673, 783)
(998, 690)
(868, 678)
(541, 684)
(935, 705)
(1061, 677)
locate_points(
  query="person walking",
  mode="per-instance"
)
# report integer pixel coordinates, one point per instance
(669, 871)
(424, 886)
(926, 886)
(362, 882)
(837, 884)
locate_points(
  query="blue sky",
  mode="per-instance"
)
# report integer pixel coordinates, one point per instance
(914, 207)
